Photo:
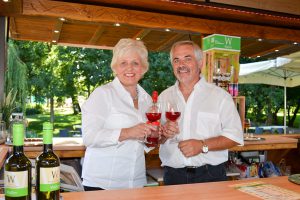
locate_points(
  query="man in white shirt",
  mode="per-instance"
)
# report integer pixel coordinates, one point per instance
(208, 126)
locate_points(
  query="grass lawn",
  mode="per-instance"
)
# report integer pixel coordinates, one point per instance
(63, 119)
(296, 123)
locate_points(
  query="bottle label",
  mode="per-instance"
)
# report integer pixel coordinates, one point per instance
(49, 179)
(16, 183)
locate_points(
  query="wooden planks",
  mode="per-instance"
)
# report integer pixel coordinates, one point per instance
(283, 6)
(154, 20)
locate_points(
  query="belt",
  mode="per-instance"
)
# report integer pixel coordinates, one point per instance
(192, 169)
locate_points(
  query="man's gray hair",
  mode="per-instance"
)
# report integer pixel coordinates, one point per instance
(197, 49)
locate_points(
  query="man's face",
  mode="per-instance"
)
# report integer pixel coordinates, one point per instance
(185, 66)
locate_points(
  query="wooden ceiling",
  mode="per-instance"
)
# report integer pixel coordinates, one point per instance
(92, 23)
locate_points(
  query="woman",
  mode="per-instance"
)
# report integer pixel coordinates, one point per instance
(113, 123)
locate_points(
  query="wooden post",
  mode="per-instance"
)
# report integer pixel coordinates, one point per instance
(3, 34)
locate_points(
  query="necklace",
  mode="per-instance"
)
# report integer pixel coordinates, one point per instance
(136, 96)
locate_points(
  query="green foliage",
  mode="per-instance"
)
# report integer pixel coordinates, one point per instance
(262, 102)
(16, 77)
(160, 75)
(7, 106)
(37, 109)
(293, 105)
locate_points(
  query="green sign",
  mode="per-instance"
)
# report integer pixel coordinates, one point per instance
(222, 42)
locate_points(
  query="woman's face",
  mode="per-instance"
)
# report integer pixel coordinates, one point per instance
(129, 68)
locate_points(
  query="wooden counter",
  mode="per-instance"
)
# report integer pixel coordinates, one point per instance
(70, 147)
(199, 191)
(64, 147)
(3, 154)
(271, 142)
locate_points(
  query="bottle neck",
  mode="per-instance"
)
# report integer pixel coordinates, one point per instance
(48, 148)
(18, 149)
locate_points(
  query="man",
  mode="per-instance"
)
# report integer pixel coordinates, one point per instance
(208, 126)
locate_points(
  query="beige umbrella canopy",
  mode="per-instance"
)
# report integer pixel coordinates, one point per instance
(282, 71)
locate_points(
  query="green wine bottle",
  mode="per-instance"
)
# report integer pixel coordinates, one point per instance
(47, 168)
(17, 173)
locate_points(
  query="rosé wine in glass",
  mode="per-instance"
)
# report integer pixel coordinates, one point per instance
(152, 117)
(173, 116)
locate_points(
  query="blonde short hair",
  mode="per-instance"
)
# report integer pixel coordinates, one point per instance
(128, 45)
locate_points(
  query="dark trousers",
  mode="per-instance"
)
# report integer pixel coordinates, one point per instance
(87, 188)
(205, 173)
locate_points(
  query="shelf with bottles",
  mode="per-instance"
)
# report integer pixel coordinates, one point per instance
(221, 59)
(221, 67)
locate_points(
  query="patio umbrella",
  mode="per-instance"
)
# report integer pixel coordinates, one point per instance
(282, 71)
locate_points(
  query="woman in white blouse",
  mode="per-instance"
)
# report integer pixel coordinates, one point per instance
(113, 122)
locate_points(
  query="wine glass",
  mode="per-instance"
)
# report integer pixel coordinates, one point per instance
(153, 115)
(172, 114)
(247, 124)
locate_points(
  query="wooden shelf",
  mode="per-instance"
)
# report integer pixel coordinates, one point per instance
(240, 103)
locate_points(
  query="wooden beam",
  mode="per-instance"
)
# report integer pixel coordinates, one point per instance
(211, 10)
(286, 6)
(272, 50)
(85, 46)
(155, 20)
(13, 27)
(56, 31)
(99, 31)
(141, 34)
(169, 42)
(11, 8)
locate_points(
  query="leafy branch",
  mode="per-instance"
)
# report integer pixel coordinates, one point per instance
(8, 105)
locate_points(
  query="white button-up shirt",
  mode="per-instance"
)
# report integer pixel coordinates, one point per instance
(108, 163)
(208, 112)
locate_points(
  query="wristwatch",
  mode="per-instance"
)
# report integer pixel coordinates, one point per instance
(204, 147)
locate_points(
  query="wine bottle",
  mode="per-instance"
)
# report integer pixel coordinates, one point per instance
(17, 173)
(47, 168)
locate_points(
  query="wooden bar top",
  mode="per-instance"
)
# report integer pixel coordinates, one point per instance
(64, 147)
(199, 191)
(70, 147)
(3, 154)
(271, 142)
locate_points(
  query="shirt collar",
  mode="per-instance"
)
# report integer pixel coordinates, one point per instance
(200, 83)
(118, 85)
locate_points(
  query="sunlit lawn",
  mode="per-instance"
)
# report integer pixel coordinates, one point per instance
(64, 119)
(296, 123)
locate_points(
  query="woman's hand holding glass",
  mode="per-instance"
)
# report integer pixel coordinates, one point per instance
(138, 132)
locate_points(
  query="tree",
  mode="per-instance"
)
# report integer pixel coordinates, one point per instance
(41, 60)
(293, 104)
(15, 83)
(160, 75)
(262, 102)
